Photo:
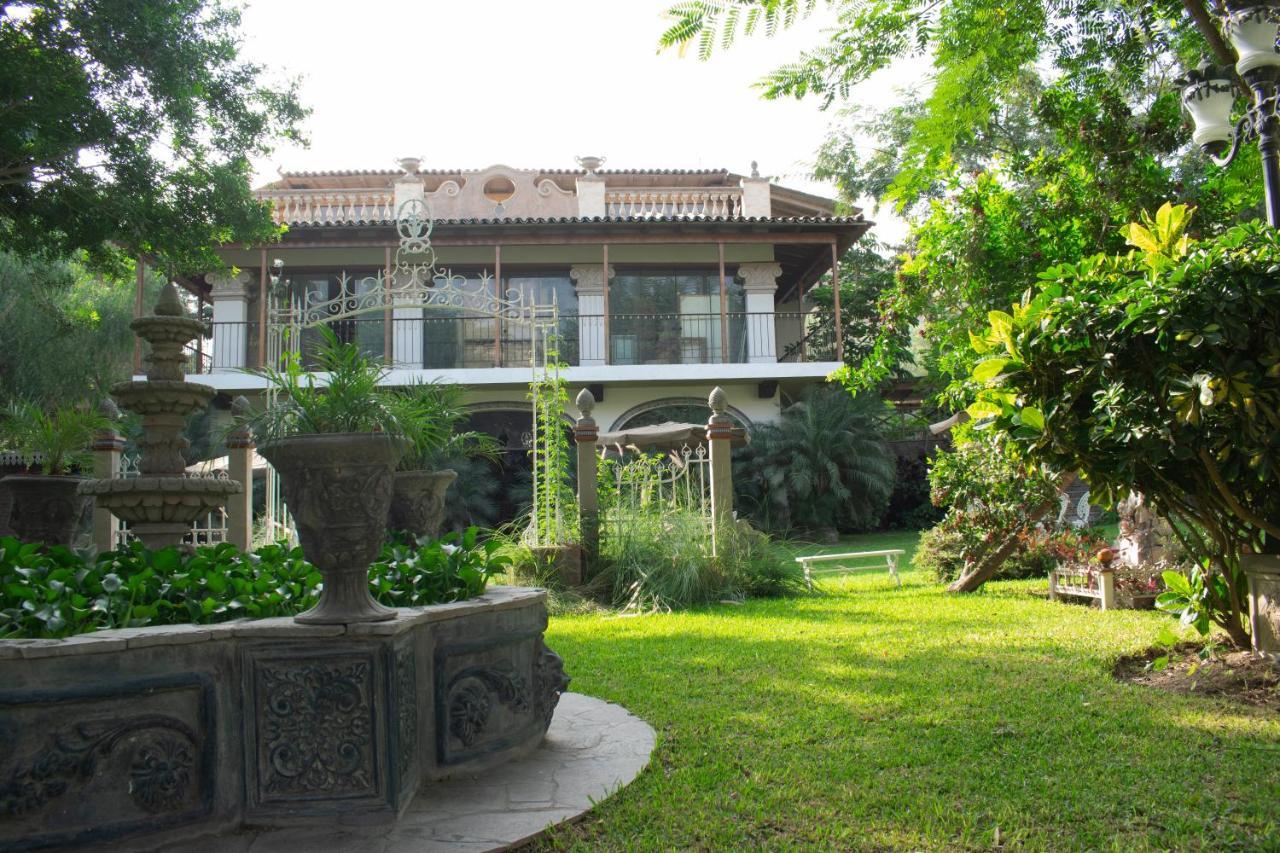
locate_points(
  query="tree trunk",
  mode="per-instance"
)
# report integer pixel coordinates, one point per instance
(985, 568)
(1204, 23)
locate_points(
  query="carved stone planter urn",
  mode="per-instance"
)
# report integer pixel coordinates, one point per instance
(417, 501)
(1263, 571)
(46, 508)
(338, 488)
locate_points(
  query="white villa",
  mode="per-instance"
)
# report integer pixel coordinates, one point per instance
(666, 283)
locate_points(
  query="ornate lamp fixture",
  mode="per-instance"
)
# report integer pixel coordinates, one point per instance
(1209, 94)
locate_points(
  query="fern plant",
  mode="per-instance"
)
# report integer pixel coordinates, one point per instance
(57, 440)
(824, 465)
(350, 400)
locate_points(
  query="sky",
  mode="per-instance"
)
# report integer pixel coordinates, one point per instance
(466, 84)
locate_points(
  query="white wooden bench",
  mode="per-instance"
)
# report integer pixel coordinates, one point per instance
(889, 556)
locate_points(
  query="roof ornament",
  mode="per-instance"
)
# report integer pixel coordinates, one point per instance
(409, 165)
(755, 169)
(590, 163)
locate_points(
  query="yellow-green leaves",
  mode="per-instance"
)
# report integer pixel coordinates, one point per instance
(989, 369)
(1161, 239)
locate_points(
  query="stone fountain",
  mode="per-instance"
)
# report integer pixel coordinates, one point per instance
(161, 502)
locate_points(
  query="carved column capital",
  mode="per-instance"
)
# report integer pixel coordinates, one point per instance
(760, 276)
(589, 278)
(228, 284)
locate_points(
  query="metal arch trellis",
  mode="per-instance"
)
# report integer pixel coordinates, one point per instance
(415, 281)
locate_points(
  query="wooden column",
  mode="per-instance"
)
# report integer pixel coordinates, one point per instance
(724, 307)
(608, 348)
(835, 295)
(804, 331)
(719, 436)
(262, 309)
(585, 433)
(497, 319)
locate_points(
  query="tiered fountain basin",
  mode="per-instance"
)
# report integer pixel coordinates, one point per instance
(158, 734)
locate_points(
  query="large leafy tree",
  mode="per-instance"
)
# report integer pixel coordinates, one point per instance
(1156, 370)
(1043, 125)
(128, 127)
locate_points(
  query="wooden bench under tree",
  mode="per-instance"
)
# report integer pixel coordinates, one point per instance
(887, 558)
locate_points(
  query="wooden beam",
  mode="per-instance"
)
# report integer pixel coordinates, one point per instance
(781, 238)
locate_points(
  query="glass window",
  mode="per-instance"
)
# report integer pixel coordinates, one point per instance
(547, 290)
(673, 317)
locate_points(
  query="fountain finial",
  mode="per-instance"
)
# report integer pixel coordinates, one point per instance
(169, 304)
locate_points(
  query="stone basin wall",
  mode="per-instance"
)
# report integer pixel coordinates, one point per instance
(159, 732)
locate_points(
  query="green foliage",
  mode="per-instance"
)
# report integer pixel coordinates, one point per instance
(351, 398)
(659, 558)
(553, 517)
(425, 571)
(56, 439)
(131, 127)
(88, 316)
(54, 592)
(431, 413)
(981, 52)
(824, 465)
(948, 548)
(1157, 370)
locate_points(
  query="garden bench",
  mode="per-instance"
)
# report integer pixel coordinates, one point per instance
(890, 556)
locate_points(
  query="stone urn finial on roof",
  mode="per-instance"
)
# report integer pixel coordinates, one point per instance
(590, 163)
(410, 165)
(755, 169)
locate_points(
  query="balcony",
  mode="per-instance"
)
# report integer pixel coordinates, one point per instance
(316, 207)
(677, 203)
(459, 343)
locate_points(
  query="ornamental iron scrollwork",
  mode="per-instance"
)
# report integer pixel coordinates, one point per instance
(161, 764)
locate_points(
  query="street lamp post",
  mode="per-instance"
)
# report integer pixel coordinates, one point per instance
(1209, 94)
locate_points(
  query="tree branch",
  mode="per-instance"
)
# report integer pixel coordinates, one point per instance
(1199, 13)
(1241, 512)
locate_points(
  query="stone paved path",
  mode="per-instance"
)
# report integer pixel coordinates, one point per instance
(592, 749)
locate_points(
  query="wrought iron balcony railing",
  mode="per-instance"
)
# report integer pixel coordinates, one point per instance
(441, 342)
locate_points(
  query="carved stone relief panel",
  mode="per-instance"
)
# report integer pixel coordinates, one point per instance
(105, 763)
(314, 732)
(491, 695)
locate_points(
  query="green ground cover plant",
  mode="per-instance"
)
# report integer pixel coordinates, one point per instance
(54, 592)
(865, 717)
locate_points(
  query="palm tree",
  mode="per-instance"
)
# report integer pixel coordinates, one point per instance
(824, 466)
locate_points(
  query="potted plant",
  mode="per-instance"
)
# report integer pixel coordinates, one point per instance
(54, 445)
(335, 447)
(430, 414)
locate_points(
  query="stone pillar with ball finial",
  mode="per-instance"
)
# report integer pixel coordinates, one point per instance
(107, 447)
(719, 438)
(585, 433)
(240, 448)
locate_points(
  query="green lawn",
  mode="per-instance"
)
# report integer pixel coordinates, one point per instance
(868, 717)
